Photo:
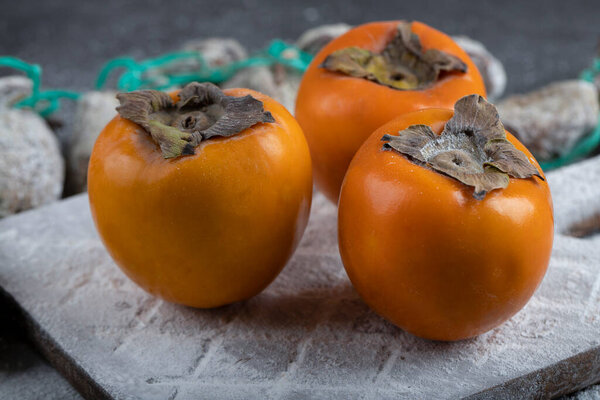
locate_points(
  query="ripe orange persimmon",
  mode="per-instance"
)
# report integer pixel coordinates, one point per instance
(449, 235)
(201, 202)
(368, 76)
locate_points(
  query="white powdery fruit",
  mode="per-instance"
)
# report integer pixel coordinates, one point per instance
(551, 120)
(491, 69)
(217, 51)
(31, 166)
(14, 88)
(278, 82)
(313, 40)
(94, 111)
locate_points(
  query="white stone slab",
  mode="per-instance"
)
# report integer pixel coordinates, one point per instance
(308, 335)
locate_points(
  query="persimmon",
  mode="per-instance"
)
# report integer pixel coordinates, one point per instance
(202, 196)
(445, 235)
(368, 76)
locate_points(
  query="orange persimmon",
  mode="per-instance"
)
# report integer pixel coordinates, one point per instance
(203, 201)
(447, 236)
(368, 76)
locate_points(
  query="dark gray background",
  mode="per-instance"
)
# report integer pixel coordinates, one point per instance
(538, 41)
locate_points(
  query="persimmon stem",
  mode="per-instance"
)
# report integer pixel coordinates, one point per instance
(472, 148)
(203, 111)
(402, 64)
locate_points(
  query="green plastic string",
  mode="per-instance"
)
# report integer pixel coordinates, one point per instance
(161, 73)
(44, 102)
(154, 73)
(589, 143)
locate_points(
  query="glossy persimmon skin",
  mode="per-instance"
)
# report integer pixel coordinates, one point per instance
(338, 112)
(426, 255)
(207, 229)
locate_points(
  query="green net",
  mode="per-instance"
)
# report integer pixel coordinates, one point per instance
(45, 102)
(180, 68)
(166, 71)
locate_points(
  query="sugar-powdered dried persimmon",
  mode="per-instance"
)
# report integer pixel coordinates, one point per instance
(202, 196)
(370, 75)
(446, 235)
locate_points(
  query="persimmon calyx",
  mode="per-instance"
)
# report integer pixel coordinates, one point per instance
(401, 65)
(203, 111)
(472, 148)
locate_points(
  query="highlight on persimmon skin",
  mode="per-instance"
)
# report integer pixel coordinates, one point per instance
(338, 112)
(208, 228)
(426, 254)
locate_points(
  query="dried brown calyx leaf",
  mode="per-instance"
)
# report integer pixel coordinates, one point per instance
(401, 65)
(472, 148)
(203, 111)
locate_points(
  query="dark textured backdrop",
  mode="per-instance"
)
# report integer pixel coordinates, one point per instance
(537, 40)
